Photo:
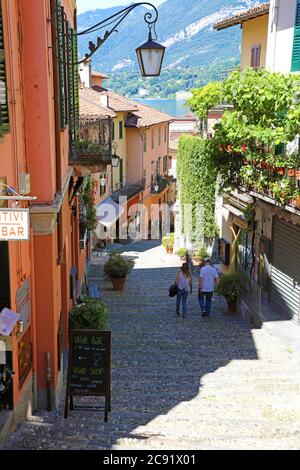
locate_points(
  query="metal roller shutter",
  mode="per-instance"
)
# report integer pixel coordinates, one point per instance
(285, 274)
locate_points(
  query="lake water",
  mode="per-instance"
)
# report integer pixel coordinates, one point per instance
(172, 107)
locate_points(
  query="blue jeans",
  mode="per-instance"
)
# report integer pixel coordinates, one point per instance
(182, 294)
(205, 299)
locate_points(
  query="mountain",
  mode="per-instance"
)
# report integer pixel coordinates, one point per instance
(184, 26)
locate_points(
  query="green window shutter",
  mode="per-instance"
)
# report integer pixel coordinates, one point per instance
(4, 116)
(280, 149)
(73, 94)
(121, 171)
(296, 47)
(61, 57)
(75, 86)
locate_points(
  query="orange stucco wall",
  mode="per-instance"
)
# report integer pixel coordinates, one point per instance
(13, 160)
(30, 147)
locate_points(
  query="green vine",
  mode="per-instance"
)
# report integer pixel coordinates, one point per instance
(197, 176)
(87, 195)
(249, 143)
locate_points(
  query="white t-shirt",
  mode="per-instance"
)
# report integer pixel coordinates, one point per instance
(208, 275)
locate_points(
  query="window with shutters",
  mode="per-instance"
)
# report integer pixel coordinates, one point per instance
(4, 116)
(296, 46)
(120, 130)
(152, 138)
(67, 52)
(255, 56)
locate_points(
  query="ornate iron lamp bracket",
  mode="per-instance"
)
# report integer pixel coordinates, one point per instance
(150, 18)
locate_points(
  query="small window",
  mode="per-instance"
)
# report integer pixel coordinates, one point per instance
(152, 138)
(159, 135)
(255, 56)
(120, 129)
(145, 141)
(165, 133)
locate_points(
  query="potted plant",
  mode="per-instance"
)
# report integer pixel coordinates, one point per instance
(117, 268)
(91, 314)
(182, 253)
(168, 243)
(200, 255)
(231, 286)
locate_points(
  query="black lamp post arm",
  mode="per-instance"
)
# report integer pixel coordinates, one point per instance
(150, 18)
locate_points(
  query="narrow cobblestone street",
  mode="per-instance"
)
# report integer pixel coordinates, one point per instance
(194, 383)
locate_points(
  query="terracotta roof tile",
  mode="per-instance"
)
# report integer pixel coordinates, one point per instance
(89, 109)
(140, 115)
(245, 15)
(147, 116)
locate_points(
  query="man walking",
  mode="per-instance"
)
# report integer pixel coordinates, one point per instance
(208, 280)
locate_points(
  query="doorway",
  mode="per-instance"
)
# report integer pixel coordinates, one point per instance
(6, 368)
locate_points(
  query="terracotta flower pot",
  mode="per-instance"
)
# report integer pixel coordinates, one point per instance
(118, 284)
(169, 251)
(232, 306)
(296, 202)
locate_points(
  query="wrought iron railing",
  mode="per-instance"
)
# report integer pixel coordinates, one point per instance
(94, 144)
(159, 186)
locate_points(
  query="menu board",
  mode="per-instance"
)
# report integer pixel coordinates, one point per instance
(24, 356)
(89, 365)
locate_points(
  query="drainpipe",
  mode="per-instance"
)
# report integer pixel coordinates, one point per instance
(48, 381)
(57, 127)
(275, 25)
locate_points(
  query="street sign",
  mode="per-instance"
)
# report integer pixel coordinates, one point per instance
(14, 224)
(89, 366)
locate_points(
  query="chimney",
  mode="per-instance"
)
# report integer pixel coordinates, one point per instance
(85, 73)
(104, 100)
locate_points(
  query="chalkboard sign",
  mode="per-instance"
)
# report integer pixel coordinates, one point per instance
(89, 366)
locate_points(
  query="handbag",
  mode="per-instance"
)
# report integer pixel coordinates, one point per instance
(173, 290)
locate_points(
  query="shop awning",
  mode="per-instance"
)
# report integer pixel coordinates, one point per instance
(108, 212)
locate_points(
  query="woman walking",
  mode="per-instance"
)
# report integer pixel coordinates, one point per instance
(184, 287)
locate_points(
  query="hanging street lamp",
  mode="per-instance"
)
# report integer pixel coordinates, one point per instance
(115, 159)
(150, 55)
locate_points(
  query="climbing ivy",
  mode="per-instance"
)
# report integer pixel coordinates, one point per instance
(197, 175)
(246, 142)
(205, 98)
(87, 194)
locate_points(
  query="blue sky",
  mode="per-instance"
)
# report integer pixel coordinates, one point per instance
(84, 5)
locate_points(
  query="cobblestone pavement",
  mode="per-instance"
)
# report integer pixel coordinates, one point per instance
(194, 383)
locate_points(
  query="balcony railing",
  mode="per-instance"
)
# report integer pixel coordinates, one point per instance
(83, 154)
(94, 144)
(159, 186)
(129, 190)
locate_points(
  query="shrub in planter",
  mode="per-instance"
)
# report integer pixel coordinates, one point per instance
(168, 242)
(201, 254)
(182, 253)
(117, 267)
(92, 314)
(231, 286)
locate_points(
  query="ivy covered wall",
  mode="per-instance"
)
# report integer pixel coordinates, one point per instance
(197, 176)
